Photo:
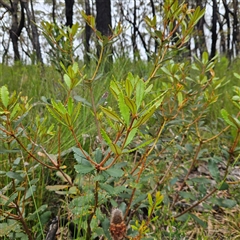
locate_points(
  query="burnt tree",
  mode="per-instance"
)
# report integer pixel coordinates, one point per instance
(16, 25)
(69, 12)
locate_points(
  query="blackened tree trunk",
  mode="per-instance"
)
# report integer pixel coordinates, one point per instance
(103, 18)
(16, 26)
(87, 32)
(35, 36)
(54, 10)
(103, 25)
(235, 35)
(69, 12)
(134, 34)
(200, 42)
(214, 29)
(227, 19)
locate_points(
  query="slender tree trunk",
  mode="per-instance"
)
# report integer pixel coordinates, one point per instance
(54, 10)
(103, 22)
(134, 35)
(34, 30)
(69, 12)
(235, 35)
(226, 15)
(103, 19)
(87, 32)
(16, 28)
(200, 43)
(214, 29)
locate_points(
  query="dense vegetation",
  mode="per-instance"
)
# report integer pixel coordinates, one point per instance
(159, 140)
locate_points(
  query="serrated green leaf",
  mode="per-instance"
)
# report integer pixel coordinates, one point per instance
(83, 169)
(108, 188)
(131, 105)
(128, 87)
(115, 172)
(145, 117)
(115, 89)
(4, 96)
(225, 116)
(59, 107)
(111, 114)
(81, 157)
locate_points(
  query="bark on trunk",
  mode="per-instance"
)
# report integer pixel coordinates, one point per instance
(69, 12)
(35, 36)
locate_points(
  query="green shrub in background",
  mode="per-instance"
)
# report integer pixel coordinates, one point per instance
(135, 145)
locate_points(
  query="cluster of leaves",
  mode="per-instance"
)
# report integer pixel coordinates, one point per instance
(150, 138)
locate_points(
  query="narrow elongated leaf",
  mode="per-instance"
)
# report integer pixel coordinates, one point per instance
(124, 110)
(4, 96)
(140, 90)
(115, 148)
(105, 137)
(14, 175)
(68, 81)
(76, 112)
(14, 112)
(128, 87)
(59, 107)
(111, 114)
(145, 117)
(70, 106)
(9, 201)
(55, 115)
(115, 89)
(56, 187)
(131, 135)
(82, 100)
(225, 116)
(131, 105)
(65, 177)
(202, 223)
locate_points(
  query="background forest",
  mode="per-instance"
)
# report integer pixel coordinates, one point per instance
(217, 32)
(119, 119)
